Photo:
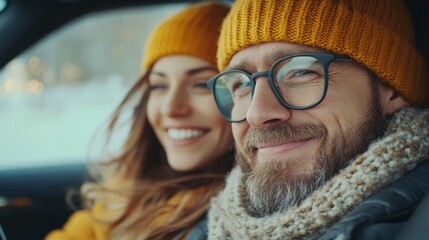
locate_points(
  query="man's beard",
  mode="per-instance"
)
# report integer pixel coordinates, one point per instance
(271, 187)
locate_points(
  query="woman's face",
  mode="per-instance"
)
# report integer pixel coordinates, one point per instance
(183, 113)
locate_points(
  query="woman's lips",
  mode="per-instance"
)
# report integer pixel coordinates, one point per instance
(182, 133)
(183, 136)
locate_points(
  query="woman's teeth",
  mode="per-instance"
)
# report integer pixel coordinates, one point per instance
(180, 134)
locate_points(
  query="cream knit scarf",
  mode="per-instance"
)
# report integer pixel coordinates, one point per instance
(404, 145)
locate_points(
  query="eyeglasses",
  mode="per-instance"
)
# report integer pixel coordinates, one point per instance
(298, 81)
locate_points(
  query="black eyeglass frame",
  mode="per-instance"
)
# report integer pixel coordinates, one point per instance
(325, 58)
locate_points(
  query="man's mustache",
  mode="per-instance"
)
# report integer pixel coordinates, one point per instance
(280, 133)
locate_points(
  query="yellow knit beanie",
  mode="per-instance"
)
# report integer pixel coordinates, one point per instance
(376, 33)
(193, 31)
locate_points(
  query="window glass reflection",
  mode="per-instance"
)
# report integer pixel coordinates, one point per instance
(3, 4)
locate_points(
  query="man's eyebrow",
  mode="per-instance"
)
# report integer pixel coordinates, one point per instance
(281, 52)
(241, 66)
(274, 56)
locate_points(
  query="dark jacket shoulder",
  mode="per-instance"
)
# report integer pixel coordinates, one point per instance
(391, 212)
(200, 230)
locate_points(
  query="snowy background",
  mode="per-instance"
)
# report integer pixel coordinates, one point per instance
(55, 95)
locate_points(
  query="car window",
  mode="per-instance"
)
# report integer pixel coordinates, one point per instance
(55, 95)
(3, 4)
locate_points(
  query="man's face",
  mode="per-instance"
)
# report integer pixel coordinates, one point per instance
(286, 154)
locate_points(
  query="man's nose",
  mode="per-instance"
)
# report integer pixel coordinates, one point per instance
(176, 103)
(265, 109)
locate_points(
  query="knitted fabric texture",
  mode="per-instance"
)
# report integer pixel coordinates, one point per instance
(193, 31)
(404, 145)
(376, 33)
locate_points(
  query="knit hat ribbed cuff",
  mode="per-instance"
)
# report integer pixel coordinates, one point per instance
(377, 34)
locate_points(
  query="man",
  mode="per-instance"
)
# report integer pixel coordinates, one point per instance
(323, 96)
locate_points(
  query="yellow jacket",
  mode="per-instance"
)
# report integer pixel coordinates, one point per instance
(82, 225)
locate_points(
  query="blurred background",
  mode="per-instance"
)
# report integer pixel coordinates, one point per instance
(55, 95)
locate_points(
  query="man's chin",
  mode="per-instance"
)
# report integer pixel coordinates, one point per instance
(275, 186)
(295, 167)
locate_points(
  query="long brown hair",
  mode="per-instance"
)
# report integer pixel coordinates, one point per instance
(147, 181)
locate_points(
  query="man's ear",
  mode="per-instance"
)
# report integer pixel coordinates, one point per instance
(390, 100)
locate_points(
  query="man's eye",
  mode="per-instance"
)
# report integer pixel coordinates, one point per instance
(241, 88)
(299, 73)
(240, 84)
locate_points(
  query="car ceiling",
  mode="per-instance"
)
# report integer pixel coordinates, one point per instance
(23, 22)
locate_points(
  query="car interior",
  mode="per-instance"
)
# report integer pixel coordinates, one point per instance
(37, 198)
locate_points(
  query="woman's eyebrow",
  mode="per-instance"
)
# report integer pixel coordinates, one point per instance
(188, 72)
(194, 71)
(157, 73)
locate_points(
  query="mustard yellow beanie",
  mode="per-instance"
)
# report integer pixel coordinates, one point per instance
(376, 33)
(193, 31)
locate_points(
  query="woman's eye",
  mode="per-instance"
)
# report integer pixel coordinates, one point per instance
(157, 86)
(201, 85)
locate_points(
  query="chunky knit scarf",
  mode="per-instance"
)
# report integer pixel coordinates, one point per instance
(404, 145)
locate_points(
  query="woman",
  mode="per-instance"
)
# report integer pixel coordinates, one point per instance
(179, 147)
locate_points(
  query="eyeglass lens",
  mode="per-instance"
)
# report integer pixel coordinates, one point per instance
(298, 82)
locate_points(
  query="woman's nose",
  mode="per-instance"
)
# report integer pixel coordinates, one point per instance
(176, 103)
